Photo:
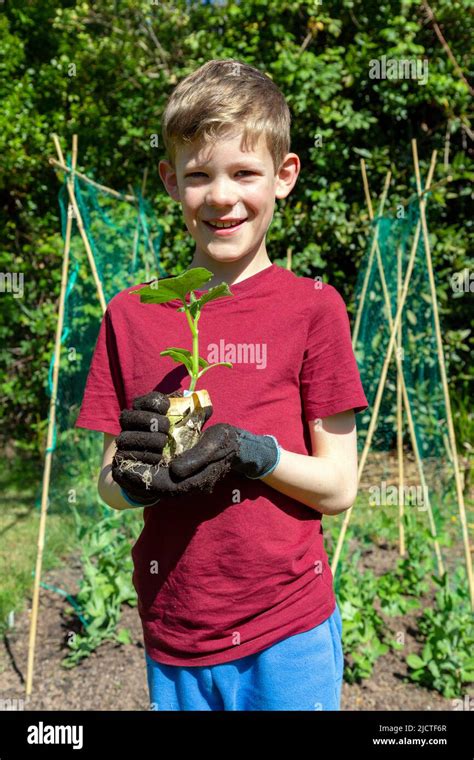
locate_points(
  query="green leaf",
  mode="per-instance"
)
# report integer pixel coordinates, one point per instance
(376, 341)
(433, 668)
(362, 152)
(396, 644)
(170, 288)
(202, 362)
(427, 652)
(210, 366)
(212, 294)
(124, 636)
(181, 356)
(415, 662)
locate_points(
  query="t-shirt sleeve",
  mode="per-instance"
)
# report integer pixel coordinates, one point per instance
(329, 379)
(104, 396)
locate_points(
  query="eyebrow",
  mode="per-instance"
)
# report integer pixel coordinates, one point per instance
(243, 162)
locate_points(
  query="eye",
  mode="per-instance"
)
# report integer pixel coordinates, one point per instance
(197, 174)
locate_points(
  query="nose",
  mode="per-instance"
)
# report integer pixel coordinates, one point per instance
(220, 193)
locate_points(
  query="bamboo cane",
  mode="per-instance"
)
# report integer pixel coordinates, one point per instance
(401, 496)
(383, 376)
(49, 445)
(77, 214)
(85, 178)
(355, 332)
(444, 381)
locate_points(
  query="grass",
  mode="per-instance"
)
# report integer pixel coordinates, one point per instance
(19, 525)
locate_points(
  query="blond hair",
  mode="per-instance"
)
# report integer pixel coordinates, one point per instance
(227, 96)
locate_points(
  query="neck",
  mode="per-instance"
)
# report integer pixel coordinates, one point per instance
(231, 272)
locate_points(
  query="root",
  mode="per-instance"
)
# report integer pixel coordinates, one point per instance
(135, 466)
(214, 473)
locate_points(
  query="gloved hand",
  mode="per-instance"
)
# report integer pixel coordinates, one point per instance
(143, 437)
(137, 466)
(145, 428)
(252, 455)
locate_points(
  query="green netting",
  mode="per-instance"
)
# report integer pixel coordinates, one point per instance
(396, 235)
(125, 238)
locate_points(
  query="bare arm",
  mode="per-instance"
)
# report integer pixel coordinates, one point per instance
(109, 490)
(327, 480)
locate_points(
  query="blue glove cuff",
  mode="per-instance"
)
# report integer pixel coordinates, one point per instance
(136, 503)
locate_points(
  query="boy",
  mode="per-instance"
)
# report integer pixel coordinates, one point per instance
(234, 588)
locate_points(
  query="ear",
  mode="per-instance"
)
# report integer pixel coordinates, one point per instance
(169, 179)
(287, 175)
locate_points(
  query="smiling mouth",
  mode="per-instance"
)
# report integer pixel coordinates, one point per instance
(228, 226)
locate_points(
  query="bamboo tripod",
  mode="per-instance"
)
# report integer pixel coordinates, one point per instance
(402, 396)
(73, 212)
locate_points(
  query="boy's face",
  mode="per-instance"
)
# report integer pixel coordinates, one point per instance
(219, 181)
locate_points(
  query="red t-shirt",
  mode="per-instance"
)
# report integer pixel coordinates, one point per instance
(225, 575)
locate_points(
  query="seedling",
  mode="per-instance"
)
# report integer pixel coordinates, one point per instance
(187, 414)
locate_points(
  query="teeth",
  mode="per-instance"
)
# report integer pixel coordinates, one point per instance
(224, 224)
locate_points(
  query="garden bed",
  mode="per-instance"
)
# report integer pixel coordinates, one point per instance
(114, 676)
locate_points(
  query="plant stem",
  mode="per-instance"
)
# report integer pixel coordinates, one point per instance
(195, 333)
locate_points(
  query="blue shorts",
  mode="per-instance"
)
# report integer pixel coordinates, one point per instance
(301, 672)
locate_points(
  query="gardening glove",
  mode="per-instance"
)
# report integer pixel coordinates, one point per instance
(137, 467)
(220, 445)
(143, 437)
